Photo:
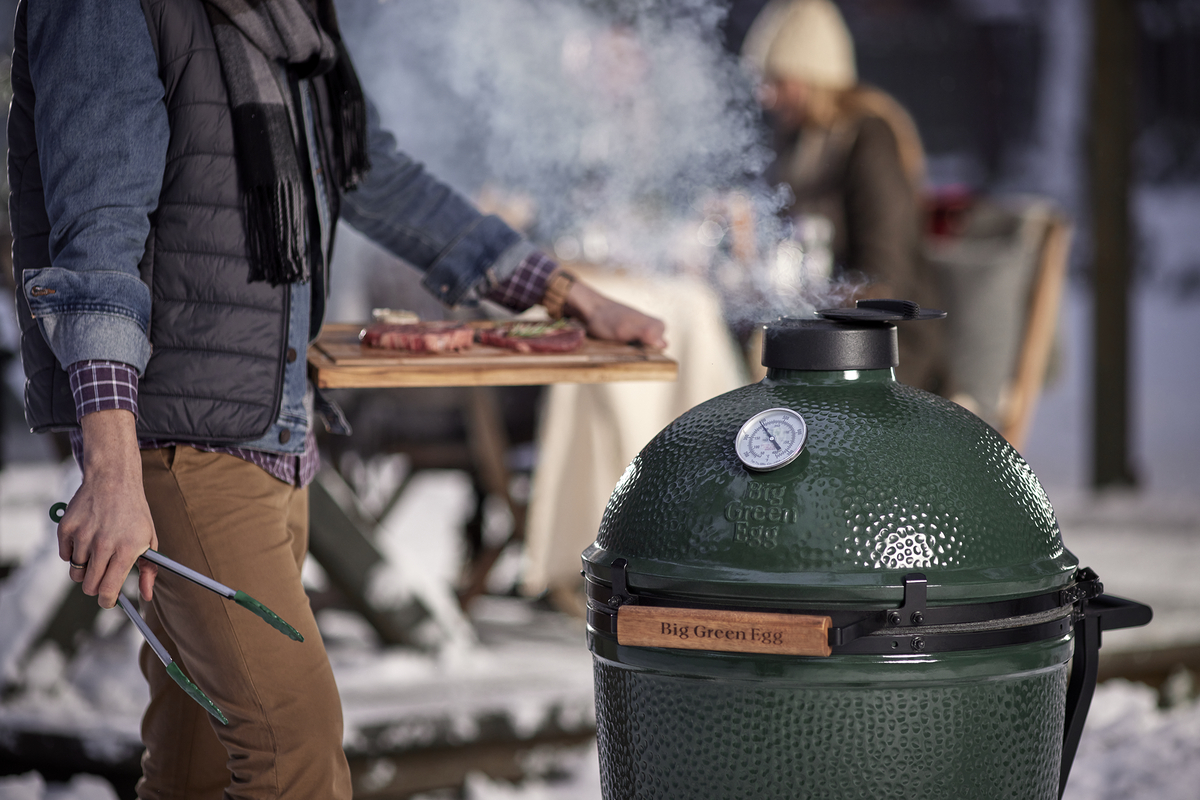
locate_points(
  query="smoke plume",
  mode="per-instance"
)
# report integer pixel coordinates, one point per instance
(614, 131)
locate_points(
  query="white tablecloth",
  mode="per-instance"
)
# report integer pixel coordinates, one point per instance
(590, 432)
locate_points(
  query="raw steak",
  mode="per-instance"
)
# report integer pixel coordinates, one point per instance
(419, 337)
(533, 337)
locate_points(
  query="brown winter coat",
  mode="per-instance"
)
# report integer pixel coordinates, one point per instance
(853, 174)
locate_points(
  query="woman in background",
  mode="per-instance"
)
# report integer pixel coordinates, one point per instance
(850, 154)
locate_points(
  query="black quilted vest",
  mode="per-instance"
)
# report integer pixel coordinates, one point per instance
(219, 342)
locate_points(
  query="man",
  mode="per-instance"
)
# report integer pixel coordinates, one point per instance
(177, 168)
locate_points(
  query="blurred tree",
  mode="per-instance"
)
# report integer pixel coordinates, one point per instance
(1112, 130)
(1168, 91)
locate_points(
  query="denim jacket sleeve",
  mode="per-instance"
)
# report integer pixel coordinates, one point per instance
(102, 137)
(406, 210)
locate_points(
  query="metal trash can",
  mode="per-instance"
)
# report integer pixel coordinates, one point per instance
(831, 585)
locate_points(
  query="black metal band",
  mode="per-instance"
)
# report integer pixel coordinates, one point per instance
(913, 627)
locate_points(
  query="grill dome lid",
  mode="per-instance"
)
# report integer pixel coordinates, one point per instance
(891, 480)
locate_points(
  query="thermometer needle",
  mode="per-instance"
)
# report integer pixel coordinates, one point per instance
(769, 436)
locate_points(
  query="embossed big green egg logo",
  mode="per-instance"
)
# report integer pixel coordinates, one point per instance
(760, 512)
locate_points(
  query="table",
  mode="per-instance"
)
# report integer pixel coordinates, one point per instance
(340, 540)
(337, 360)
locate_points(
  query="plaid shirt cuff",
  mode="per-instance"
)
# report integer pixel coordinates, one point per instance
(527, 285)
(103, 385)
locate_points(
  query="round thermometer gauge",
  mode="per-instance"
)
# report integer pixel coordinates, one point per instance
(771, 439)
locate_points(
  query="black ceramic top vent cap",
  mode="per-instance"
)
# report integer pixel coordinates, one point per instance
(863, 337)
(824, 344)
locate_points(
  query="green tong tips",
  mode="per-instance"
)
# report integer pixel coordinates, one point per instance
(274, 620)
(194, 692)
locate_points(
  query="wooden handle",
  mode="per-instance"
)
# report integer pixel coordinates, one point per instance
(723, 631)
(1040, 325)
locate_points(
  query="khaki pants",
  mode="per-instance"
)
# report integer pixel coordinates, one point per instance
(229, 519)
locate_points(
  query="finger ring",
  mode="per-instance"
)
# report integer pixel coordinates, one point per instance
(78, 566)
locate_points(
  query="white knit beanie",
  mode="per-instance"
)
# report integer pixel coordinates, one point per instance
(810, 42)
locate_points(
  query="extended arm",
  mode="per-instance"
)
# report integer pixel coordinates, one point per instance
(405, 209)
(464, 253)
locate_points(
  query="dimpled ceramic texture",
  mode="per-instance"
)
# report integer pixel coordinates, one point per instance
(893, 480)
(669, 737)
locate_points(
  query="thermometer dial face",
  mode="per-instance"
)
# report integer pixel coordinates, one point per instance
(771, 439)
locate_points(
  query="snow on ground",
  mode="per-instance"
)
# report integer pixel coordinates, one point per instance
(517, 666)
(576, 776)
(1145, 549)
(26, 494)
(531, 671)
(31, 594)
(1164, 383)
(31, 786)
(1131, 750)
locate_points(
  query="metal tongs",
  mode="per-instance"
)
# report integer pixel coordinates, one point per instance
(241, 598)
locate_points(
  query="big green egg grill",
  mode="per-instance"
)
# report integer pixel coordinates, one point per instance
(832, 585)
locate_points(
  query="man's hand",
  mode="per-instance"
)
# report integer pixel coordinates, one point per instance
(608, 319)
(107, 525)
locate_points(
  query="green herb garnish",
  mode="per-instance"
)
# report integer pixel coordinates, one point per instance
(528, 330)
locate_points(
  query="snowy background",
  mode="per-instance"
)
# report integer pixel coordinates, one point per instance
(505, 91)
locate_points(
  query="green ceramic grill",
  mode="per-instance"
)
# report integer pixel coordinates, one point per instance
(832, 585)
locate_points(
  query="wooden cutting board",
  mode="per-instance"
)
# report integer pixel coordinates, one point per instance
(337, 360)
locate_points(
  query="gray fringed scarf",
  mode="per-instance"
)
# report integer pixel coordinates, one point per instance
(265, 47)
